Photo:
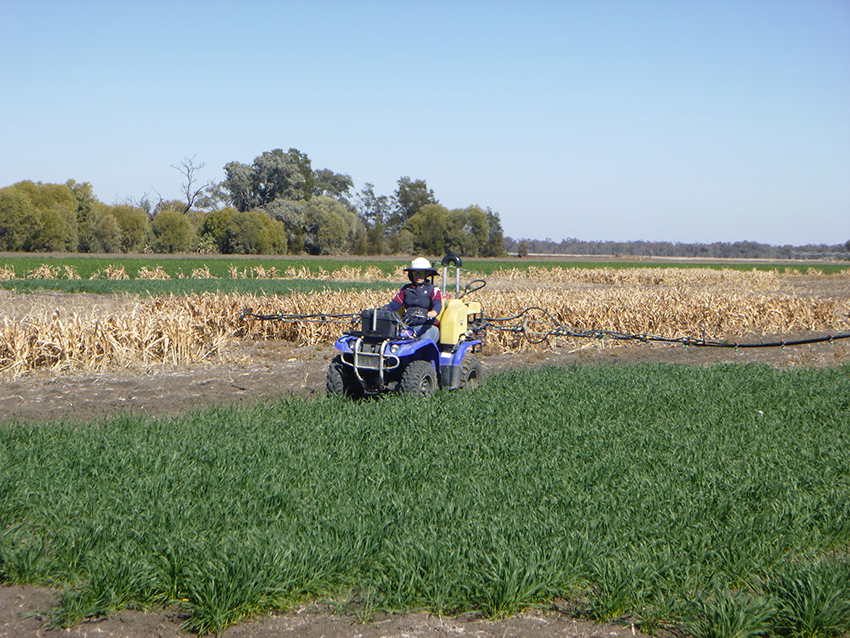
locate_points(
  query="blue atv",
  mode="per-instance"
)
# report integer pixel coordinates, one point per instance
(382, 356)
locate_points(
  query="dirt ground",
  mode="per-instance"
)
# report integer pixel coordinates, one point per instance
(265, 371)
(21, 610)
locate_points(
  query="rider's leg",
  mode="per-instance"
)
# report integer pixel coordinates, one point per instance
(428, 331)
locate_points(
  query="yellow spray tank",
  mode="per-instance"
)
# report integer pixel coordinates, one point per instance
(456, 314)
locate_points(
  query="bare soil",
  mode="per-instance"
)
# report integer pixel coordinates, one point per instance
(22, 616)
(253, 372)
(267, 370)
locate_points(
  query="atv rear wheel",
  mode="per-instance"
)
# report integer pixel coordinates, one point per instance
(340, 381)
(471, 372)
(419, 378)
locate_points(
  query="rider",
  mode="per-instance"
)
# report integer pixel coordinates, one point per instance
(421, 300)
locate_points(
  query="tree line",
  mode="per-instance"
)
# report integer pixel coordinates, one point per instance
(278, 204)
(719, 250)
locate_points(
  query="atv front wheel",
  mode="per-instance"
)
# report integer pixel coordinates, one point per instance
(340, 381)
(419, 378)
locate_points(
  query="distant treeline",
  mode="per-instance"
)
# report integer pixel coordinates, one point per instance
(278, 204)
(719, 250)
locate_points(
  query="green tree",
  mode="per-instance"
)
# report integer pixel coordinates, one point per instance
(467, 231)
(374, 211)
(18, 219)
(496, 238)
(44, 223)
(244, 232)
(428, 227)
(215, 226)
(291, 213)
(106, 234)
(321, 226)
(410, 197)
(272, 175)
(133, 224)
(253, 233)
(273, 239)
(56, 230)
(329, 227)
(400, 241)
(360, 245)
(171, 232)
(43, 196)
(336, 185)
(87, 205)
(305, 167)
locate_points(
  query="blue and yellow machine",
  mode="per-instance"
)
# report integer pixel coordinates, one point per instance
(382, 356)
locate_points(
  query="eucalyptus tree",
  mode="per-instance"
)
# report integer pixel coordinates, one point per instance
(374, 212)
(428, 226)
(410, 197)
(336, 185)
(271, 176)
(329, 227)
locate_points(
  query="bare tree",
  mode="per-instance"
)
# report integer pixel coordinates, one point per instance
(191, 191)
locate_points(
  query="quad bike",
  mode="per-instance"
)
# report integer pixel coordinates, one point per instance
(383, 356)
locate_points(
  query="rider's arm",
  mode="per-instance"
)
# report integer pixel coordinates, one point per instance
(397, 302)
(436, 301)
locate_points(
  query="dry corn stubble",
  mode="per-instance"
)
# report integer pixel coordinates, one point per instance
(156, 273)
(194, 328)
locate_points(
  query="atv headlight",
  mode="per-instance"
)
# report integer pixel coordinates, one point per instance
(394, 348)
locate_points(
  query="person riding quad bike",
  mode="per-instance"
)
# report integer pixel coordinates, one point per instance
(417, 343)
(421, 300)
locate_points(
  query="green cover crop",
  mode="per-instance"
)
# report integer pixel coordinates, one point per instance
(661, 494)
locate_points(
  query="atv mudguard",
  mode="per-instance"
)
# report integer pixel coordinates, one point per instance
(451, 364)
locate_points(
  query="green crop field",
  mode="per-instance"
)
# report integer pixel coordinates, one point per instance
(715, 500)
(182, 266)
(219, 266)
(154, 287)
(487, 266)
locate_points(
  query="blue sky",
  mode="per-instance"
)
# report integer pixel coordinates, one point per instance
(688, 121)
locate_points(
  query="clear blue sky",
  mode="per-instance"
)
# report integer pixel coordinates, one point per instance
(661, 120)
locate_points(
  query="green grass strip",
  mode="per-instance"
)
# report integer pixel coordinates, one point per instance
(219, 265)
(177, 266)
(487, 266)
(154, 287)
(631, 490)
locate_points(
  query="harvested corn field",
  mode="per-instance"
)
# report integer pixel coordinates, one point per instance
(59, 332)
(85, 356)
(191, 329)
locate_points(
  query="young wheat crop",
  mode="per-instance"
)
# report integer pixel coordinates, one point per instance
(665, 494)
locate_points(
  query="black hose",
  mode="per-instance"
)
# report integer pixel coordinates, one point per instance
(563, 331)
(559, 330)
(247, 314)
